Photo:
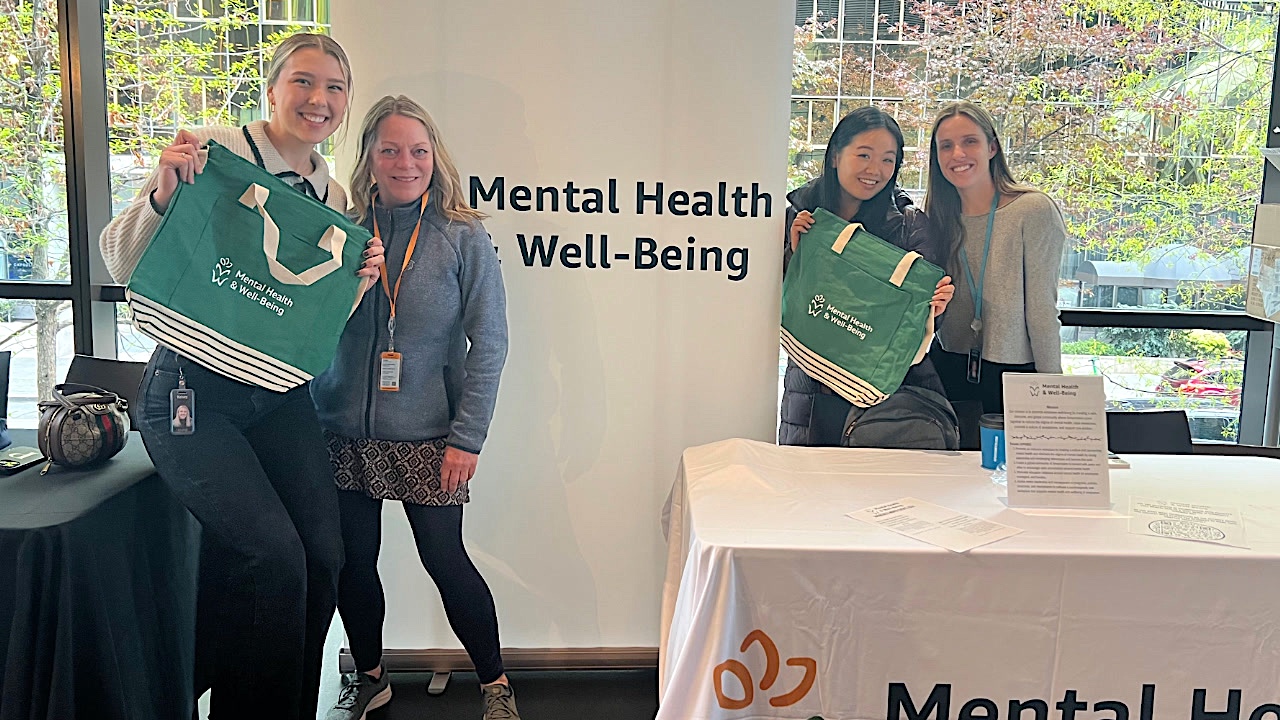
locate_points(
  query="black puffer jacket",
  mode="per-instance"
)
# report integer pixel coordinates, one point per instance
(905, 226)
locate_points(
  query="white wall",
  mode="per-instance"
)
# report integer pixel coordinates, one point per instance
(612, 372)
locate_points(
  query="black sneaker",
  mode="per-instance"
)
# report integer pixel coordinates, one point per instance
(360, 694)
(499, 702)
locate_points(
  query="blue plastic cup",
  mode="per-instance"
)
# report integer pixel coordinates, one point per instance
(991, 426)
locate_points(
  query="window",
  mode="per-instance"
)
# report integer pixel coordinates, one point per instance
(1146, 129)
(33, 197)
(1198, 371)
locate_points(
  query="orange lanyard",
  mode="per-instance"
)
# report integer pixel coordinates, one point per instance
(404, 265)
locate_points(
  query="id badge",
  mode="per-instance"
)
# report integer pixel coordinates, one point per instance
(974, 370)
(182, 411)
(389, 372)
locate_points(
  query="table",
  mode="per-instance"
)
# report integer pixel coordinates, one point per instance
(97, 592)
(777, 605)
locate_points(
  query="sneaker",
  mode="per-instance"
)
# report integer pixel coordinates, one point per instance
(360, 694)
(499, 702)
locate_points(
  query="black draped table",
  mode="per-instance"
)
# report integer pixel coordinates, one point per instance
(97, 592)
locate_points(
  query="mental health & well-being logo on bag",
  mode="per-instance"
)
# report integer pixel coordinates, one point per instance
(819, 306)
(255, 291)
(222, 271)
(772, 669)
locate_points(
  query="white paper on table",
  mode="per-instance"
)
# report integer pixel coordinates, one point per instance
(934, 524)
(1220, 524)
(1055, 430)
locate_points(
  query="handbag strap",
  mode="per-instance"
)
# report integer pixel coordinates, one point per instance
(101, 396)
(332, 242)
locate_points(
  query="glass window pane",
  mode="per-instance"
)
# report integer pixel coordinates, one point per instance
(39, 334)
(1198, 371)
(856, 71)
(33, 193)
(859, 19)
(824, 114)
(303, 11)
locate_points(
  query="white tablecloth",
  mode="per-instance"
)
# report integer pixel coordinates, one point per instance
(1073, 610)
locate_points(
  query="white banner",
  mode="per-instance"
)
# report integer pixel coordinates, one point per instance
(632, 157)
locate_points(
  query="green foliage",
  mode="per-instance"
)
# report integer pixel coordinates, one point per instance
(1238, 339)
(1088, 347)
(165, 73)
(1201, 344)
(1140, 342)
(1159, 342)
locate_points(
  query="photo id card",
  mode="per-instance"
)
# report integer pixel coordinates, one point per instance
(973, 372)
(182, 411)
(389, 372)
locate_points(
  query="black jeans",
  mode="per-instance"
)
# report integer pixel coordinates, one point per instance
(256, 474)
(438, 533)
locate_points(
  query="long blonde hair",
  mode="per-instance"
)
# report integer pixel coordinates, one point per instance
(942, 203)
(445, 190)
(303, 41)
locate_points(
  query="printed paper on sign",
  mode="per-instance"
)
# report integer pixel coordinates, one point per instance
(1056, 441)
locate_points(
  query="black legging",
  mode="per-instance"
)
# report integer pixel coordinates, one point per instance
(438, 533)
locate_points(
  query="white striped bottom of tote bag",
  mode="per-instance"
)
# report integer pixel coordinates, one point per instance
(844, 383)
(211, 349)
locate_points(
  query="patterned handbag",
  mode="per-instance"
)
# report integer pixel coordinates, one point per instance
(82, 425)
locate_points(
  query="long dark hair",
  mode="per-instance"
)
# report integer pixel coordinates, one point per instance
(874, 212)
(942, 203)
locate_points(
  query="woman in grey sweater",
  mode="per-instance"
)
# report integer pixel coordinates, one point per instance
(1004, 242)
(407, 402)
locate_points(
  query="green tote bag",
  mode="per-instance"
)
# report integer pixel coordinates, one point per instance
(249, 277)
(855, 309)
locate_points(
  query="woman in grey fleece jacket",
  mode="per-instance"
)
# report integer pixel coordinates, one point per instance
(406, 405)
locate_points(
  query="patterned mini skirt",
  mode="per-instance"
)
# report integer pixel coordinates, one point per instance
(392, 470)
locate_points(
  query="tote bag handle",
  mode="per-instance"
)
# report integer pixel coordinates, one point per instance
(899, 273)
(331, 242)
(896, 279)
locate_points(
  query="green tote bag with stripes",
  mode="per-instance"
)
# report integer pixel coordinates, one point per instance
(855, 309)
(249, 277)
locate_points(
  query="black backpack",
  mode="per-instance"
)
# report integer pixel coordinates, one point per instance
(913, 418)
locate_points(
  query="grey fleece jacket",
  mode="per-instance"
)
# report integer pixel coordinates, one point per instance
(451, 297)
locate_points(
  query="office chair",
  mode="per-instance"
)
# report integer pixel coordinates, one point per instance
(1165, 432)
(121, 377)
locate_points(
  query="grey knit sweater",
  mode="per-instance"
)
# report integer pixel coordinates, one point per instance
(1020, 294)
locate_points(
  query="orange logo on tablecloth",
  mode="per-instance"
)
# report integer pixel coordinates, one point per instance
(771, 669)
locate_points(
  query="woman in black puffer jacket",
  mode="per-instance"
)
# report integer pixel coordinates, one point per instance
(858, 184)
